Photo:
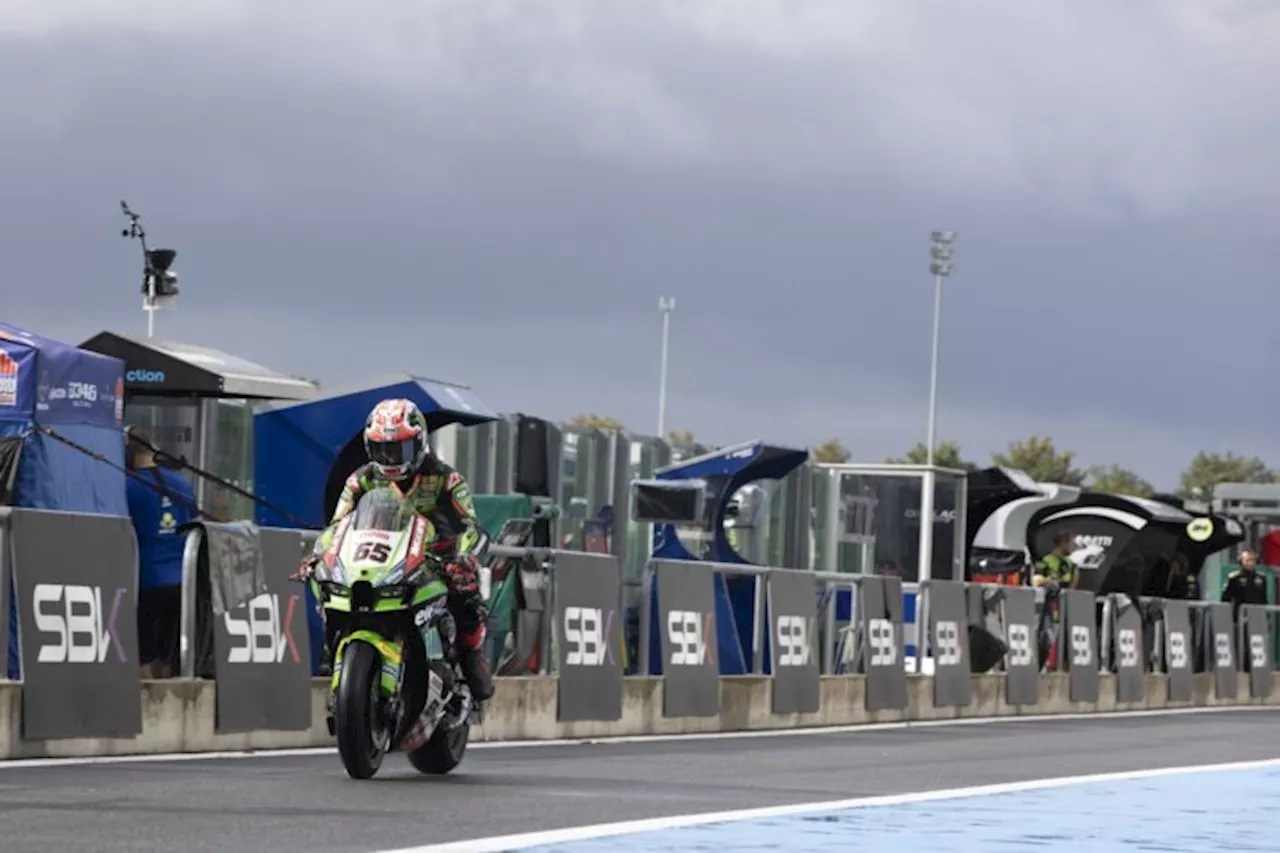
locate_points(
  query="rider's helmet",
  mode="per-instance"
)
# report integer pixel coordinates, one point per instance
(395, 438)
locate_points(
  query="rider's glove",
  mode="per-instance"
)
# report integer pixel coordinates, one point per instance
(306, 569)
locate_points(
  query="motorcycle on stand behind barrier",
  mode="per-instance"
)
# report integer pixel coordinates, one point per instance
(397, 684)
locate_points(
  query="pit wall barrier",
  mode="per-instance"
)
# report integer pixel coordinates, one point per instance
(178, 715)
(984, 651)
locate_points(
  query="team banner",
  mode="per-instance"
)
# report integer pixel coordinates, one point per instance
(76, 579)
(1079, 646)
(1255, 620)
(1022, 661)
(793, 619)
(949, 634)
(687, 628)
(1131, 675)
(1221, 650)
(588, 593)
(1177, 650)
(882, 652)
(262, 651)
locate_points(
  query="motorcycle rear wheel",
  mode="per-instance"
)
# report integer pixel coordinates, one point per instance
(356, 713)
(442, 752)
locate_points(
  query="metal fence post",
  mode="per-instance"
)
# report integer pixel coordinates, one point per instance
(924, 646)
(187, 618)
(646, 618)
(757, 617)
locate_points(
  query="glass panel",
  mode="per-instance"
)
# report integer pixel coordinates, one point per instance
(232, 459)
(880, 525)
(775, 539)
(639, 536)
(820, 492)
(746, 524)
(948, 516)
(172, 425)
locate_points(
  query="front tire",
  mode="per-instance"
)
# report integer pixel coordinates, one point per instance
(443, 752)
(356, 713)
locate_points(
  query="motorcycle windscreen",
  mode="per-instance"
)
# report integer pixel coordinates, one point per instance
(1098, 543)
(383, 509)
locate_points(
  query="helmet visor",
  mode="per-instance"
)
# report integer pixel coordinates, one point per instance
(393, 454)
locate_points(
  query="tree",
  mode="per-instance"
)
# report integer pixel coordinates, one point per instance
(680, 437)
(1040, 459)
(594, 421)
(831, 451)
(945, 455)
(1115, 480)
(1209, 469)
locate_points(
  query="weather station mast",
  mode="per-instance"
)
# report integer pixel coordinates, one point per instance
(159, 282)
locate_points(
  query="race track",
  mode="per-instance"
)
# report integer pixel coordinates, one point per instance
(306, 804)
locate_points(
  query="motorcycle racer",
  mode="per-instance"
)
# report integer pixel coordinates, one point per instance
(395, 439)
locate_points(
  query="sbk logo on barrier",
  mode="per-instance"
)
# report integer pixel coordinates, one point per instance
(84, 636)
(586, 630)
(1222, 649)
(265, 635)
(1257, 651)
(689, 631)
(1019, 645)
(1081, 647)
(793, 641)
(883, 642)
(947, 652)
(1177, 650)
(1127, 648)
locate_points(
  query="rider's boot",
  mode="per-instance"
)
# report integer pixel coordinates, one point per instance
(471, 615)
(475, 664)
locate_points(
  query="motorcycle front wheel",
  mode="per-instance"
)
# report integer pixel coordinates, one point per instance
(359, 729)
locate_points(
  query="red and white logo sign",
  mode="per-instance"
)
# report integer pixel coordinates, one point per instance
(8, 380)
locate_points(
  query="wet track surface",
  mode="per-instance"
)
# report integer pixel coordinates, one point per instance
(307, 803)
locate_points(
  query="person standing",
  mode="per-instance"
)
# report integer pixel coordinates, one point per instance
(1181, 584)
(1056, 567)
(1244, 586)
(160, 502)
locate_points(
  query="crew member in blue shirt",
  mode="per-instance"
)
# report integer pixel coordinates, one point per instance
(160, 501)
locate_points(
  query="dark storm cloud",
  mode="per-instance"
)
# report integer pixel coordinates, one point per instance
(537, 180)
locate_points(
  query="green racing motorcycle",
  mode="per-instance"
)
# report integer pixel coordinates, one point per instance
(397, 684)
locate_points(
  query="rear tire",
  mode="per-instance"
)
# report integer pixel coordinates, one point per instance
(443, 752)
(357, 709)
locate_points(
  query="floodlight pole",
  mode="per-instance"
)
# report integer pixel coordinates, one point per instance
(941, 252)
(666, 306)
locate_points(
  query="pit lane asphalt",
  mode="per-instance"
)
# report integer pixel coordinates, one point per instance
(306, 804)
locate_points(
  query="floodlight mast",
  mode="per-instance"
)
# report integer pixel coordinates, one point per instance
(942, 262)
(665, 307)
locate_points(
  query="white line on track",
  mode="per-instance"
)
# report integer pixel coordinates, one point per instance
(29, 763)
(608, 830)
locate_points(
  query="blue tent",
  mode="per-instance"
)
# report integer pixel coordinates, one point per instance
(726, 471)
(303, 452)
(80, 396)
(302, 448)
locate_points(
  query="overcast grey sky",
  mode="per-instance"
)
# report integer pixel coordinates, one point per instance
(498, 192)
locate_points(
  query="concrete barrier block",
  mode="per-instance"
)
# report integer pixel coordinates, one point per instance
(842, 700)
(180, 716)
(988, 697)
